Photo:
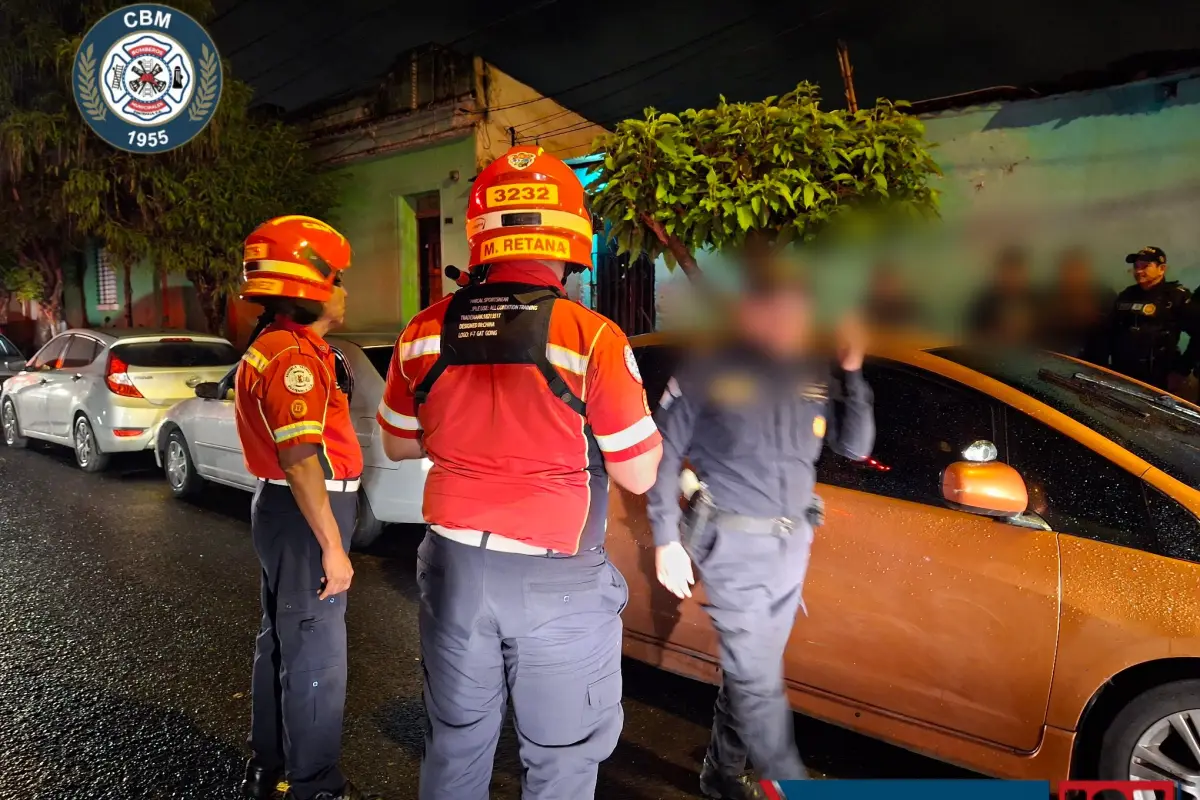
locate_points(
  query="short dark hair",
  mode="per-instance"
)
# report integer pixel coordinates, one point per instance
(301, 312)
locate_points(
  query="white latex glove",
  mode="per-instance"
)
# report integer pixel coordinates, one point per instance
(674, 569)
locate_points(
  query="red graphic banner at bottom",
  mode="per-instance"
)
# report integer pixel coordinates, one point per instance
(1111, 790)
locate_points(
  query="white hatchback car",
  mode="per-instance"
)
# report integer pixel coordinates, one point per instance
(106, 391)
(198, 440)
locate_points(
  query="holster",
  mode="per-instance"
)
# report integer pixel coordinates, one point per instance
(696, 518)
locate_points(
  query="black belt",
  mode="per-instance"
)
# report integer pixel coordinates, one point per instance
(760, 525)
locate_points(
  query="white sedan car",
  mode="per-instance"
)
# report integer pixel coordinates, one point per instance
(198, 440)
(106, 391)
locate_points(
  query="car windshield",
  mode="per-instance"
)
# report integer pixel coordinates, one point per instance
(1144, 421)
(176, 353)
(380, 357)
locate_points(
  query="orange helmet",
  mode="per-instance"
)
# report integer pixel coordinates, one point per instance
(529, 205)
(293, 256)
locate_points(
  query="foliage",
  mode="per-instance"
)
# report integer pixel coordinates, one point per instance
(188, 209)
(759, 175)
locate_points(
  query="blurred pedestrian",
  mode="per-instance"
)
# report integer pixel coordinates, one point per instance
(752, 418)
(889, 304)
(1075, 309)
(1005, 312)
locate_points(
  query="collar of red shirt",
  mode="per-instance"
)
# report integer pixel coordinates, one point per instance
(283, 323)
(523, 272)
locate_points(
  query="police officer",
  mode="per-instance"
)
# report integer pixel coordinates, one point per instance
(527, 404)
(751, 416)
(1147, 321)
(294, 425)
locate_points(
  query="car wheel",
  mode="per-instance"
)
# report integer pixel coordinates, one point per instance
(1154, 738)
(179, 467)
(367, 528)
(88, 455)
(12, 427)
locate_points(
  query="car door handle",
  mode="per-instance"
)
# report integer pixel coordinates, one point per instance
(77, 377)
(43, 382)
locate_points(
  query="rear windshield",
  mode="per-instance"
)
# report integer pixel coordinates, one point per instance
(381, 358)
(177, 354)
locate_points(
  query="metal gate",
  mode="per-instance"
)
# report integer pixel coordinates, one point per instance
(624, 291)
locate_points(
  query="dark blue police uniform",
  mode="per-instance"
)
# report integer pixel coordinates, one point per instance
(753, 429)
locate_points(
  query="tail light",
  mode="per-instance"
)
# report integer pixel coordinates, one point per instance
(118, 379)
(175, 339)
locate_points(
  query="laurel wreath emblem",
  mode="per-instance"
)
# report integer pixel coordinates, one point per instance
(206, 94)
(89, 94)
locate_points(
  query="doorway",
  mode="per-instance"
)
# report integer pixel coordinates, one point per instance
(429, 246)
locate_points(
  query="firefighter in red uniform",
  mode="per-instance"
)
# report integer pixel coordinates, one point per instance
(293, 421)
(527, 404)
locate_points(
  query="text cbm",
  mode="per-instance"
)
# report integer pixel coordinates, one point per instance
(145, 18)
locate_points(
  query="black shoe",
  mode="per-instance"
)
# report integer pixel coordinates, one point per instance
(348, 792)
(726, 786)
(259, 783)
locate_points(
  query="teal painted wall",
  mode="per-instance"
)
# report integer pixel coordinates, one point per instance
(182, 309)
(1111, 170)
(376, 216)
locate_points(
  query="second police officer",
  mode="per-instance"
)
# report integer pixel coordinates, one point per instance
(752, 417)
(293, 421)
(1146, 324)
(527, 403)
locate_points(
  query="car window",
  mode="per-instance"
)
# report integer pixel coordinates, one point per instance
(1080, 492)
(80, 352)
(176, 352)
(923, 424)
(657, 364)
(8, 349)
(380, 357)
(48, 355)
(343, 372)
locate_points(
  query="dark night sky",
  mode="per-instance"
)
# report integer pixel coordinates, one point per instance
(295, 52)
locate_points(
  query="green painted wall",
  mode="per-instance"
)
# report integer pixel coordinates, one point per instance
(377, 218)
(182, 308)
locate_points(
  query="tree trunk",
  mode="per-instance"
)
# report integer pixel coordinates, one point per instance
(683, 256)
(127, 272)
(5, 299)
(164, 291)
(80, 279)
(212, 301)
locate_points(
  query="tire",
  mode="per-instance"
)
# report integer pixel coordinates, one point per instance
(12, 426)
(88, 455)
(367, 528)
(1147, 722)
(178, 467)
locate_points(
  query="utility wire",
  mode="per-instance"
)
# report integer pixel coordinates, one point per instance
(318, 65)
(529, 136)
(236, 5)
(627, 67)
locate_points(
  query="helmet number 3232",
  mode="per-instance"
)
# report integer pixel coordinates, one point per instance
(147, 78)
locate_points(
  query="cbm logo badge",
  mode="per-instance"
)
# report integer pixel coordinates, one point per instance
(147, 78)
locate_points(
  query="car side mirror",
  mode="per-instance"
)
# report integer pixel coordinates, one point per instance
(209, 391)
(989, 488)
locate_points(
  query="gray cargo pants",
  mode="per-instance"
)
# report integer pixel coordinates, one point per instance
(544, 632)
(753, 583)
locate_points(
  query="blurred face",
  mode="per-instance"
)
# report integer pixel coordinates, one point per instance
(1074, 273)
(1148, 273)
(779, 322)
(1013, 277)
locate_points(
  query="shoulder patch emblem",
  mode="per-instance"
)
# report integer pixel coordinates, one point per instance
(299, 408)
(299, 379)
(819, 427)
(632, 365)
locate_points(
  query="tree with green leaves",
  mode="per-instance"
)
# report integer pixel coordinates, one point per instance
(759, 176)
(187, 210)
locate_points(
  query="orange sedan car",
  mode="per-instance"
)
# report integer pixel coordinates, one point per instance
(1011, 583)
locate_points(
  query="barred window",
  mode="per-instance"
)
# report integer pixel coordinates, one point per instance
(106, 283)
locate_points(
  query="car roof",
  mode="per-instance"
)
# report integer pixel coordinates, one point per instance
(367, 338)
(111, 335)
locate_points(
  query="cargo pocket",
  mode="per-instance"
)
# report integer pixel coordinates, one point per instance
(318, 696)
(311, 631)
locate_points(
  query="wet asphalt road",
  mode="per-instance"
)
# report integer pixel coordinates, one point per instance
(127, 627)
